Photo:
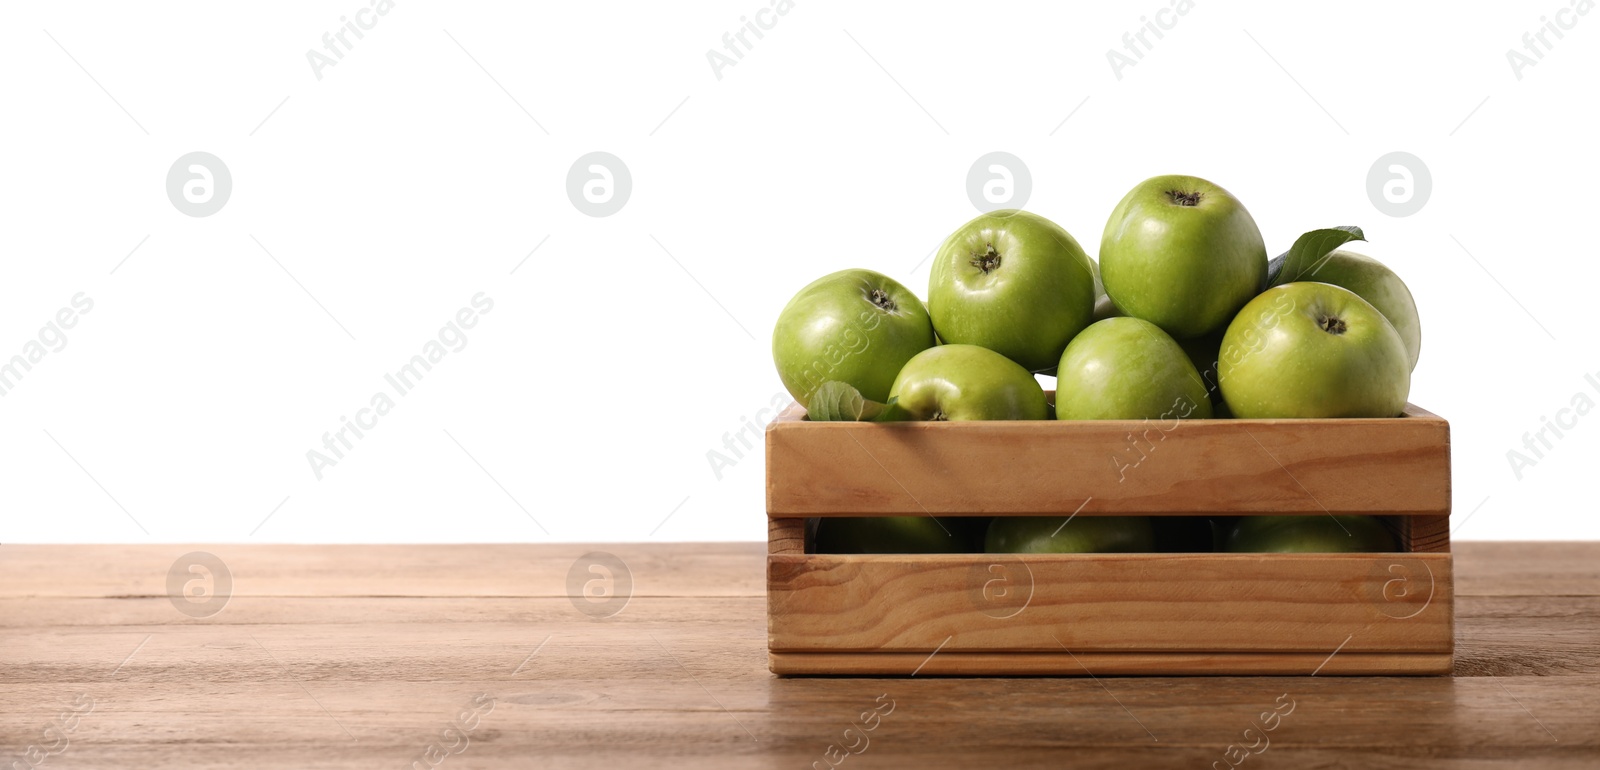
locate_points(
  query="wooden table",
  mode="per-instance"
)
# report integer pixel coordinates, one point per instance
(365, 656)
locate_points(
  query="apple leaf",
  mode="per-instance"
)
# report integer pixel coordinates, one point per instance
(1309, 252)
(837, 401)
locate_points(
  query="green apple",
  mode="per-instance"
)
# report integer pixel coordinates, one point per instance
(1074, 534)
(1374, 282)
(855, 326)
(966, 382)
(1312, 533)
(896, 534)
(1313, 350)
(1015, 283)
(1183, 254)
(1128, 369)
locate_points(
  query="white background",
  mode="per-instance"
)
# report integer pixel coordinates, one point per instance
(406, 180)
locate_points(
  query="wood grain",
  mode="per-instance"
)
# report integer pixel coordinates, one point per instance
(721, 569)
(1212, 603)
(344, 657)
(1111, 467)
(1527, 569)
(786, 536)
(1108, 663)
(1420, 534)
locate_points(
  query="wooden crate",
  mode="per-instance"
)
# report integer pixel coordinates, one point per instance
(1111, 614)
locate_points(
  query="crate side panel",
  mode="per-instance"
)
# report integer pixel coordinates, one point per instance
(1109, 664)
(1112, 603)
(1397, 466)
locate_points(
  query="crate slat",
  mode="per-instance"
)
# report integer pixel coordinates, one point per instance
(1109, 664)
(1111, 602)
(1393, 466)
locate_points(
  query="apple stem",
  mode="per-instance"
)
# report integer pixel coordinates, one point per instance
(1184, 198)
(988, 260)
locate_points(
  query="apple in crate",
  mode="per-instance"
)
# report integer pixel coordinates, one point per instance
(1183, 254)
(1313, 350)
(1128, 369)
(1374, 282)
(966, 382)
(1312, 533)
(1070, 534)
(854, 326)
(1015, 283)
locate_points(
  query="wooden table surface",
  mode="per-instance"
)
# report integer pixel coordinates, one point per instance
(367, 656)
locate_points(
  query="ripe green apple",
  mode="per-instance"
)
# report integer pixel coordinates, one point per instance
(896, 534)
(1312, 533)
(1183, 254)
(1075, 534)
(966, 382)
(1128, 369)
(1015, 283)
(1374, 282)
(855, 326)
(1313, 350)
